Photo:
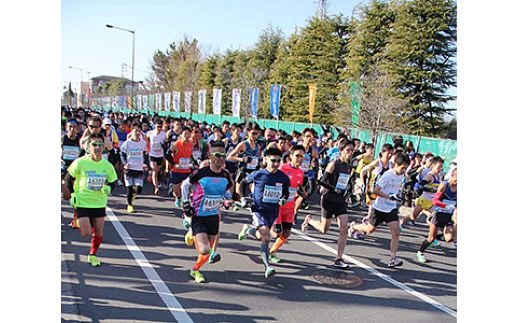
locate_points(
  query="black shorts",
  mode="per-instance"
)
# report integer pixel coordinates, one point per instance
(205, 224)
(177, 178)
(377, 217)
(331, 209)
(157, 160)
(441, 220)
(91, 212)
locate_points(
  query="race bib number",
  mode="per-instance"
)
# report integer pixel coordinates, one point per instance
(184, 163)
(342, 181)
(272, 194)
(292, 193)
(253, 163)
(95, 182)
(135, 154)
(157, 147)
(306, 163)
(212, 203)
(197, 154)
(450, 205)
(70, 152)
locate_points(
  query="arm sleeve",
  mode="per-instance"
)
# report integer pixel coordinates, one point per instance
(437, 200)
(185, 189)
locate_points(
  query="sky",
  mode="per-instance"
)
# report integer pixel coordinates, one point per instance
(86, 44)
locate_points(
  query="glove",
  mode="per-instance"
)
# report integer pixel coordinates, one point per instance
(188, 209)
(395, 197)
(282, 202)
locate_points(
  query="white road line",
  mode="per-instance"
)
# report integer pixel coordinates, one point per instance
(380, 275)
(166, 295)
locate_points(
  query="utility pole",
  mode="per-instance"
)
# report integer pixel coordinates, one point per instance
(321, 10)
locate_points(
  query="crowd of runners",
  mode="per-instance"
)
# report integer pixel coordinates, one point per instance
(273, 174)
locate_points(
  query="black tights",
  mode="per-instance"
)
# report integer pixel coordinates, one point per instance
(130, 192)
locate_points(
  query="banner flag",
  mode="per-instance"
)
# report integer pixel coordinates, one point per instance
(236, 102)
(202, 102)
(275, 100)
(145, 102)
(151, 102)
(158, 101)
(167, 101)
(253, 101)
(176, 101)
(355, 92)
(217, 101)
(187, 102)
(312, 99)
(139, 102)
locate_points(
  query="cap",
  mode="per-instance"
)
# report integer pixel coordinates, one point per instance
(107, 121)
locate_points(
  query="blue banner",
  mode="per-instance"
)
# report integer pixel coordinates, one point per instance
(253, 101)
(275, 100)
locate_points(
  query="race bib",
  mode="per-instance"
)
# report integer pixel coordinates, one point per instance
(387, 203)
(342, 181)
(212, 203)
(197, 154)
(184, 163)
(272, 194)
(157, 147)
(135, 154)
(253, 163)
(95, 182)
(306, 163)
(292, 193)
(447, 209)
(70, 152)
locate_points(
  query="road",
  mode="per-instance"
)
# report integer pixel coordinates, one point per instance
(144, 276)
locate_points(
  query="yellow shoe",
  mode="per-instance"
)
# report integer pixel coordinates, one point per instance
(94, 262)
(130, 209)
(188, 238)
(195, 274)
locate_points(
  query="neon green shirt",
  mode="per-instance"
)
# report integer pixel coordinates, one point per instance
(91, 177)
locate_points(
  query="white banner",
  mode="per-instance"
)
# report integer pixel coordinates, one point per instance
(139, 102)
(145, 102)
(167, 100)
(187, 102)
(158, 101)
(217, 101)
(236, 103)
(202, 102)
(176, 101)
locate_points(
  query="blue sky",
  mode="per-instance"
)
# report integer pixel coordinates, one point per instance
(218, 25)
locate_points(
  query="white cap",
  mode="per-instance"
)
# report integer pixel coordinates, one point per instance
(107, 121)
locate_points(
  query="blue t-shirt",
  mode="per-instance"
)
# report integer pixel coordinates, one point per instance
(267, 191)
(209, 190)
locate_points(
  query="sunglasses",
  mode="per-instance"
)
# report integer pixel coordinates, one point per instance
(254, 133)
(300, 155)
(221, 155)
(275, 160)
(93, 126)
(97, 144)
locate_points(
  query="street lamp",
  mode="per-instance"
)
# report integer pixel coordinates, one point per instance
(133, 54)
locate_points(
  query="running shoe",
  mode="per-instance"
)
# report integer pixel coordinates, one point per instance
(395, 262)
(94, 262)
(435, 243)
(351, 232)
(274, 258)
(195, 274)
(214, 257)
(305, 224)
(157, 192)
(420, 257)
(269, 271)
(177, 202)
(186, 223)
(340, 263)
(130, 209)
(243, 233)
(74, 224)
(365, 220)
(188, 238)
(305, 204)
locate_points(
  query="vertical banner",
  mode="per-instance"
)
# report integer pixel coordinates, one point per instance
(253, 102)
(236, 102)
(176, 101)
(312, 99)
(275, 100)
(167, 101)
(217, 101)
(139, 102)
(202, 102)
(187, 102)
(151, 102)
(129, 102)
(355, 92)
(158, 101)
(145, 102)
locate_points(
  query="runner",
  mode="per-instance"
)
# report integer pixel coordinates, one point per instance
(335, 187)
(445, 204)
(285, 219)
(385, 207)
(182, 163)
(70, 150)
(90, 180)
(155, 139)
(211, 185)
(270, 189)
(310, 169)
(132, 155)
(230, 144)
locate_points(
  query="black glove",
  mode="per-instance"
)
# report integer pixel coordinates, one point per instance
(188, 209)
(395, 197)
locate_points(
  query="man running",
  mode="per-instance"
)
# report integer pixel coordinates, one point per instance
(270, 189)
(182, 162)
(211, 185)
(156, 140)
(90, 179)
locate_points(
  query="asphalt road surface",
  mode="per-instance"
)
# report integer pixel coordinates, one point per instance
(145, 273)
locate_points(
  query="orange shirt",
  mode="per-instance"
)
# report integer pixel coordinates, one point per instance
(182, 159)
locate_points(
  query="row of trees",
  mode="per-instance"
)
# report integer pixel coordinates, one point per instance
(402, 52)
